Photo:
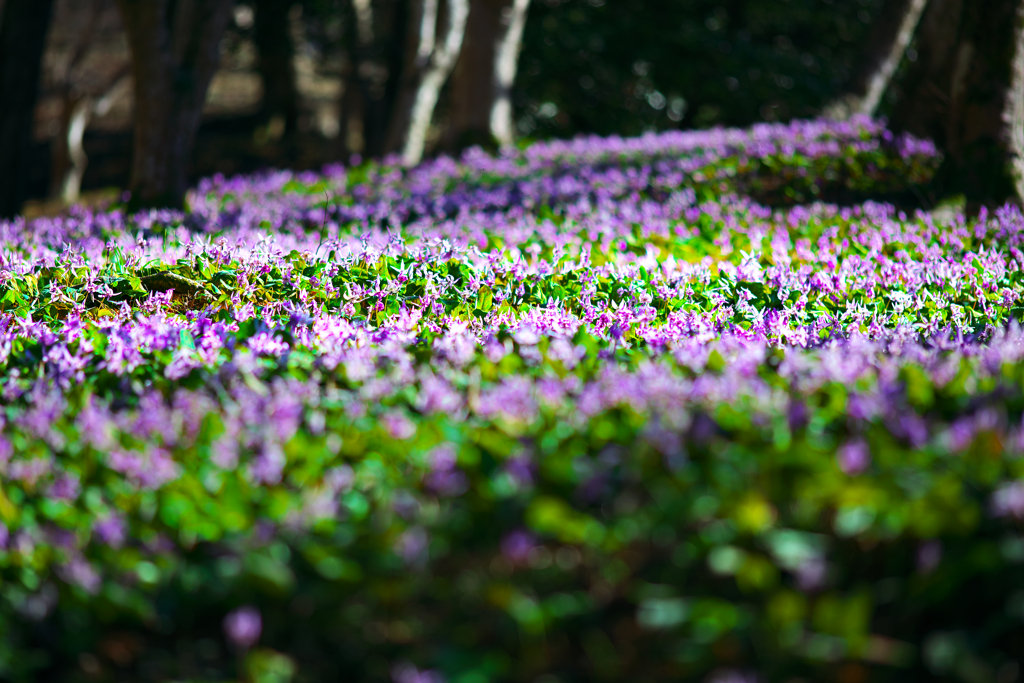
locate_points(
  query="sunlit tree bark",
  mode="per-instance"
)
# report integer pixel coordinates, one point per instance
(506, 61)
(481, 84)
(964, 92)
(428, 69)
(886, 45)
(78, 105)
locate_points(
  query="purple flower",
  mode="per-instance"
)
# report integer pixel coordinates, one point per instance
(520, 468)
(150, 470)
(78, 572)
(444, 478)
(413, 546)
(398, 426)
(407, 673)
(111, 531)
(854, 456)
(1008, 500)
(65, 487)
(811, 574)
(243, 627)
(929, 555)
(516, 546)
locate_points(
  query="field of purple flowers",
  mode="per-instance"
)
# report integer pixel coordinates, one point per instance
(588, 411)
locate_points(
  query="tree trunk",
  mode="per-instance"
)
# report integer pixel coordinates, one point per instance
(506, 61)
(962, 93)
(1013, 115)
(430, 68)
(175, 47)
(276, 67)
(481, 84)
(471, 89)
(887, 42)
(67, 155)
(23, 27)
(67, 150)
(377, 39)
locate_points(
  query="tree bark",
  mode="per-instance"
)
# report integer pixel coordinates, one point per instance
(887, 43)
(1013, 115)
(67, 154)
(175, 47)
(425, 75)
(506, 61)
(23, 27)
(472, 81)
(962, 93)
(67, 151)
(481, 84)
(378, 47)
(276, 66)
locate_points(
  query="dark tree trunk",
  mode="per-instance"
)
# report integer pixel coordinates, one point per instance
(960, 93)
(887, 42)
(471, 88)
(377, 39)
(23, 25)
(274, 44)
(433, 56)
(175, 47)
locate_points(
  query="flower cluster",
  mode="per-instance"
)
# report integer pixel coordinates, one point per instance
(445, 414)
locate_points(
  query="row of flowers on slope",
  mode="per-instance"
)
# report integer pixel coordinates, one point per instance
(355, 397)
(775, 163)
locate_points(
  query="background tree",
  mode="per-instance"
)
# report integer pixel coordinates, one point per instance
(427, 68)
(964, 93)
(375, 39)
(82, 96)
(175, 50)
(23, 25)
(884, 48)
(481, 83)
(606, 67)
(280, 106)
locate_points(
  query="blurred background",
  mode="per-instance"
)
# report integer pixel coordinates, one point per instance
(300, 84)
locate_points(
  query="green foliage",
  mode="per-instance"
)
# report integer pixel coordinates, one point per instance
(627, 67)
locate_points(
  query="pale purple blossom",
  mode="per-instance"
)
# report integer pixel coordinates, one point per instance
(413, 546)
(1008, 500)
(243, 627)
(516, 546)
(854, 456)
(408, 673)
(929, 555)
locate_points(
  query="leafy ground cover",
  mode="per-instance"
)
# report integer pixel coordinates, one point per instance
(581, 412)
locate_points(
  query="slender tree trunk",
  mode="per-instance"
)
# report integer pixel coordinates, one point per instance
(963, 93)
(276, 67)
(887, 43)
(67, 154)
(175, 48)
(23, 27)
(1013, 115)
(506, 61)
(481, 84)
(432, 64)
(69, 160)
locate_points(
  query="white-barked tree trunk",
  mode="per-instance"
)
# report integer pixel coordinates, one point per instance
(434, 62)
